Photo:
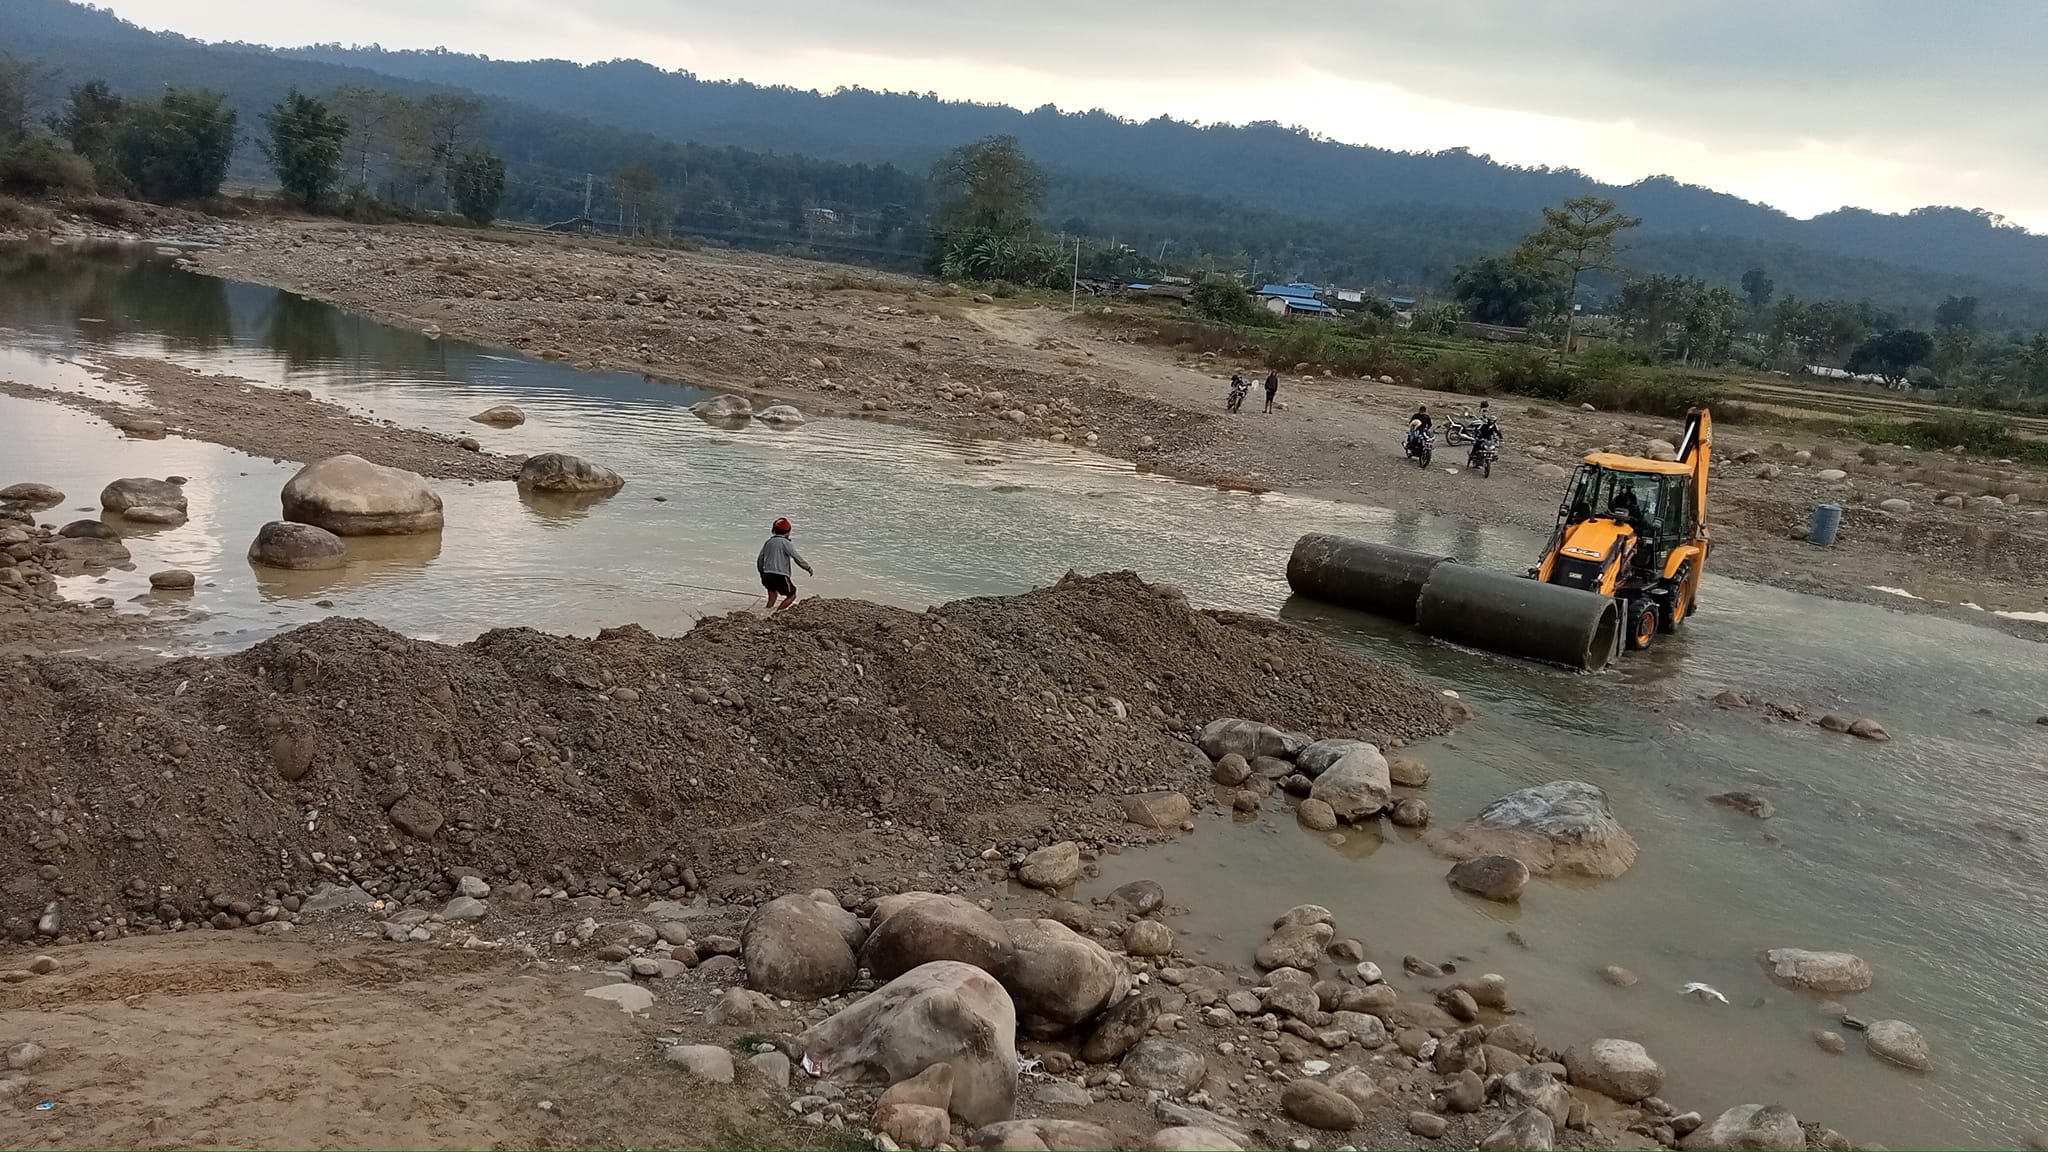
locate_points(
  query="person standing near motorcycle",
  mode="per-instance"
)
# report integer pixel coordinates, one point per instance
(1272, 389)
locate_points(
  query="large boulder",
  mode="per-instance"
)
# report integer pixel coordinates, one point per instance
(943, 1012)
(1356, 786)
(1529, 1130)
(141, 491)
(1565, 826)
(299, 547)
(1248, 739)
(1317, 1105)
(31, 495)
(1316, 759)
(501, 415)
(797, 947)
(1157, 809)
(1534, 1087)
(908, 933)
(1749, 1128)
(1818, 971)
(1621, 1069)
(561, 472)
(724, 408)
(1294, 945)
(1191, 1138)
(1058, 978)
(349, 496)
(780, 416)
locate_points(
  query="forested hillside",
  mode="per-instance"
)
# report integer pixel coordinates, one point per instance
(756, 165)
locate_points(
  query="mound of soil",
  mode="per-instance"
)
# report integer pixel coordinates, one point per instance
(841, 742)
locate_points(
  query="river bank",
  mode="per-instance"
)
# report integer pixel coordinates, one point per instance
(529, 817)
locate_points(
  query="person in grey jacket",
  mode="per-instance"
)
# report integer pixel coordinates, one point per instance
(777, 554)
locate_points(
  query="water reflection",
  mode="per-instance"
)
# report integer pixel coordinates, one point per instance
(557, 509)
(372, 560)
(302, 332)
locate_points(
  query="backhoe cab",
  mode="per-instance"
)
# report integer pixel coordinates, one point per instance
(1635, 529)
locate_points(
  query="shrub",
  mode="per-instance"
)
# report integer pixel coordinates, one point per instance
(42, 166)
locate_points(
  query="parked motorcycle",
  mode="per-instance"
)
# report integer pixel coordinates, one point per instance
(1461, 429)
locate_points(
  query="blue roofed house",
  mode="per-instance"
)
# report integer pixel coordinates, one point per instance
(1295, 299)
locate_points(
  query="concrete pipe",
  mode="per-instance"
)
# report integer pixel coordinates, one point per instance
(1517, 616)
(1372, 578)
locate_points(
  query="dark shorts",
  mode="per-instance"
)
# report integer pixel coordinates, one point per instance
(780, 585)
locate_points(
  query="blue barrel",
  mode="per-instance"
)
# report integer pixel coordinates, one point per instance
(1827, 521)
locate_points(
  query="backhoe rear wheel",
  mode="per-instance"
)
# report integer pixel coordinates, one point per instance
(1641, 619)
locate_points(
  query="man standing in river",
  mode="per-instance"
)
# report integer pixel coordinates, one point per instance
(777, 554)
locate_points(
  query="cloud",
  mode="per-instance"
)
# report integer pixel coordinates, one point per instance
(1805, 103)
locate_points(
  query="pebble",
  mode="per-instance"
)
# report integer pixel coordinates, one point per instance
(1428, 1125)
(1618, 976)
(1828, 1041)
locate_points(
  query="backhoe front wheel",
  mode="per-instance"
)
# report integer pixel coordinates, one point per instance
(1675, 607)
(1641, 619)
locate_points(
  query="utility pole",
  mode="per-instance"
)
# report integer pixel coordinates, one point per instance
(1074, 286)
(586, 197)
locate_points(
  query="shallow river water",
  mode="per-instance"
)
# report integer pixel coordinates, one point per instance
(1922, 854)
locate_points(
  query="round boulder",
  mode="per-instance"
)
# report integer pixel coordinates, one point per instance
(724, 408)
(1499, 878)
(1317, 1105)
(1408, 771)
(172, 580)
(1057, 977)
(349, 496)
(1621, 1069)
(1052, 867)
(800, 948)
(906, 933)
(943, 1012)
(153, 514)
(780, 416)
(139, 491)
(1148, 938)
(1898, 1042)
(88, 530)
(1356, 786)
(502, 416)
(298, 547)
(1411, 812)
(1162, 1064)
(561, 472)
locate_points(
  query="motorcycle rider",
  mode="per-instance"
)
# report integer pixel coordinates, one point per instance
(1418, 429)
(1239, 386)
(1485, 429)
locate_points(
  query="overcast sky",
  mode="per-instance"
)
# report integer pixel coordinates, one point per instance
(1805, 104)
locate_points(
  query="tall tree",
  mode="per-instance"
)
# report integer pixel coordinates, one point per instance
(447, 121)
(304, 146)
(179, 147)
(479, 185)
(1500, 291)
(1892, 354)
(21, 90)
(638, 187)
(91, 122)
(988, 186)
(1956, 312)
(1576, 238)
(1758, 286)
(367, 111)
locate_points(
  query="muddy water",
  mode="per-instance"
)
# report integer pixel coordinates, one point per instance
(1922, 854)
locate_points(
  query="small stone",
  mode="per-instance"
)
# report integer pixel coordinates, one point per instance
(1466, 1093)
(1316, 816)
(1499, 878)
(473, 887)
(1052, 867)
(773, 1067)
(172, 580)
(1829, 1042)
(1148, 938)
(630, 998)
(1459, 1004)
(1618, 976)
(1410, 812)
(1869, 729)
(464, 908)
(1428, 1125)
(1231, 770)
(1318, 1105)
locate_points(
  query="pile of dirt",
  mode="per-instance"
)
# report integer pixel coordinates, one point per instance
(841, 742)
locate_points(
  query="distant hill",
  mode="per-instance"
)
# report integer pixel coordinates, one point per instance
(1260, 194)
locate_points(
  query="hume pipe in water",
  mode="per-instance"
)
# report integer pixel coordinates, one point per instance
(1375, 578)
(1476, 607)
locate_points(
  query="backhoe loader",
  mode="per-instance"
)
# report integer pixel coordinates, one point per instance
(1635, 529)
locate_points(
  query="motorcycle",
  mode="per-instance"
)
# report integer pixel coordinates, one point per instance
(1461, 429)
(1238, 389)
(1485, 451)
(1421, 442)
